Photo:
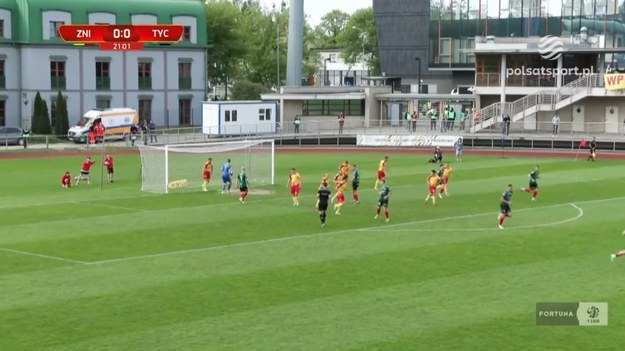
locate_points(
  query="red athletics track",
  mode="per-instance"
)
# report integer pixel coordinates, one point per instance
(568, 154)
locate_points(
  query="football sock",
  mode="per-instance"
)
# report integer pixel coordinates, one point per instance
(442, 189)
(527, 190)
(223, 188)
(620, 253)
(378, 211)
(204, 184)
(229, 186)
(244, 195)
(356, 197)
(386, 213)
(535, 193)
(323, 217)
(501, 219)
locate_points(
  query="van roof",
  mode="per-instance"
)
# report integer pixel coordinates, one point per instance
(103, 112)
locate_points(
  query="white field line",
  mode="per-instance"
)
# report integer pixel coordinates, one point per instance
(48, 257)
(580, 214)
(320, 234)
(96, 204)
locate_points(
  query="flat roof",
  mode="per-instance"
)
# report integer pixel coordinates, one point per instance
(415, 96)
(314, 96)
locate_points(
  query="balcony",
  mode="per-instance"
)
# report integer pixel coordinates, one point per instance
(184, 83)
(3, 82)
(57, 83)
(145, 83)
(103, 83)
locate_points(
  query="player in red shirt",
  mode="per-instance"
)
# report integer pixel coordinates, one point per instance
(99, 132)
(84, 171)
(108, 162)
(206, 173)
(66, 180)
(381, 172)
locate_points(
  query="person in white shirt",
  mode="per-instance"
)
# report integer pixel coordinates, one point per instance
(556, 123)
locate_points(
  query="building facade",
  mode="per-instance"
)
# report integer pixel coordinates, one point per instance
(445, 56)
(165, 84)
(336, 72)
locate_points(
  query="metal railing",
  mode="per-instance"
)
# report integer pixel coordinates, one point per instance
(543, 100)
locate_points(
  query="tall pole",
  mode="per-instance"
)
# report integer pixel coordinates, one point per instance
(295, 52)
(278, 52)
(418, 59)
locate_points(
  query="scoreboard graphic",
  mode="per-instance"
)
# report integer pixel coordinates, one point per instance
(120, 37)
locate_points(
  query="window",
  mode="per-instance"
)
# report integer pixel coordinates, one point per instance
(102, 103)
(145, 109)
(54, 28)
(231, 116)
(1, 28)
(3, 120)
(57, 75)
(264, 114)
(184, 75)
(227, 117)
(184, 112)
(2, 77)
(145, 75)
(186, 34)
(102, 77)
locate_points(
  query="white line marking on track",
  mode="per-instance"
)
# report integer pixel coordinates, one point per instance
(315, 235)
(48, 257)
(580, 214)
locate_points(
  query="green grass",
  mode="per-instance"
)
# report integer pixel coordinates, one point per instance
(118, 269)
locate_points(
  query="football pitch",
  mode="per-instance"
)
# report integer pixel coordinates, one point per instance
(117, 269)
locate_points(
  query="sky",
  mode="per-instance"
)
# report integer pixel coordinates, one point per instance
(315, 9)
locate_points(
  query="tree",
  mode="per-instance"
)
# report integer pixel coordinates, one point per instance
(227, 41)
(332, 24)
(246, 90)
(359, 40)
(46, 117)
(37, 122)
(61, 124)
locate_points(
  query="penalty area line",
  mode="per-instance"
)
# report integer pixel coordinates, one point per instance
(580, 214)
(48, 257)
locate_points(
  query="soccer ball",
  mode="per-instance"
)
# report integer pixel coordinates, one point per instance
(623, 232)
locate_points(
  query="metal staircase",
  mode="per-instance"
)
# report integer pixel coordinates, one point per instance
(543, 100)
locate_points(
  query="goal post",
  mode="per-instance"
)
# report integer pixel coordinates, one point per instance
(178, 167)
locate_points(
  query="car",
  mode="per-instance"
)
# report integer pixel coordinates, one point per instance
(11, 136)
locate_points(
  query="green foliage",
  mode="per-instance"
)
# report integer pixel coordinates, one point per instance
(40, 119)
(359, 39)
(61, 124)
(246, 90)
(326, 34)
(46, 117)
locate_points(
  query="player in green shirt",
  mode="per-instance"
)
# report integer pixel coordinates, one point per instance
(385, 193)
(533, 186)
(355, 183)
(506, 201)
(242, 184)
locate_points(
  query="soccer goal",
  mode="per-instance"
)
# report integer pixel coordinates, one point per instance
(179, 167)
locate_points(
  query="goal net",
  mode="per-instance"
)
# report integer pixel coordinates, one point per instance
(179, 167)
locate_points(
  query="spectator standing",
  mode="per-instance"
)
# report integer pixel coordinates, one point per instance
(152, 131)
(297, 123)
(506, 124)
(444, 120)
(433, 118)
(452, 118)
(415, 116)
(341, 119)
(99, 132)
(555, 120)
(134, 129)
(463, 118)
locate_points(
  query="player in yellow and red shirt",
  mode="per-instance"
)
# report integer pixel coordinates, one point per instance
(447, 170)
(295, 181)
(344, 169)
(341, 185)
(108, 163)
(381, 172)
(84, 171)
(207, 171)
(433, 181)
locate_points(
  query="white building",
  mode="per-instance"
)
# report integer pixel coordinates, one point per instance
(166, 84)
(339, 73)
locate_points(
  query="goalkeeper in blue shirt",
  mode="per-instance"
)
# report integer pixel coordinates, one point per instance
(226, 177)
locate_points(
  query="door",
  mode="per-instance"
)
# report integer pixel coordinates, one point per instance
(611, 119)
(578, 118)
(394, 112)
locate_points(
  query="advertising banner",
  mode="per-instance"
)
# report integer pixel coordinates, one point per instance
(614, 81)
(408, 140)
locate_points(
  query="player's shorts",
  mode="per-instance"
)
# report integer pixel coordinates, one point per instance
(383, 203)
(323, 205)
(533, 186)
(295, 190)
(355, 186)
(459, 152)
(340, 198)
(226, 179)
(243, 189)
(109, 170)
(66, 182)
(207, 176)
(432, 189)
(505, 208)
(444, 180)
(85, 173)
(381, 175)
